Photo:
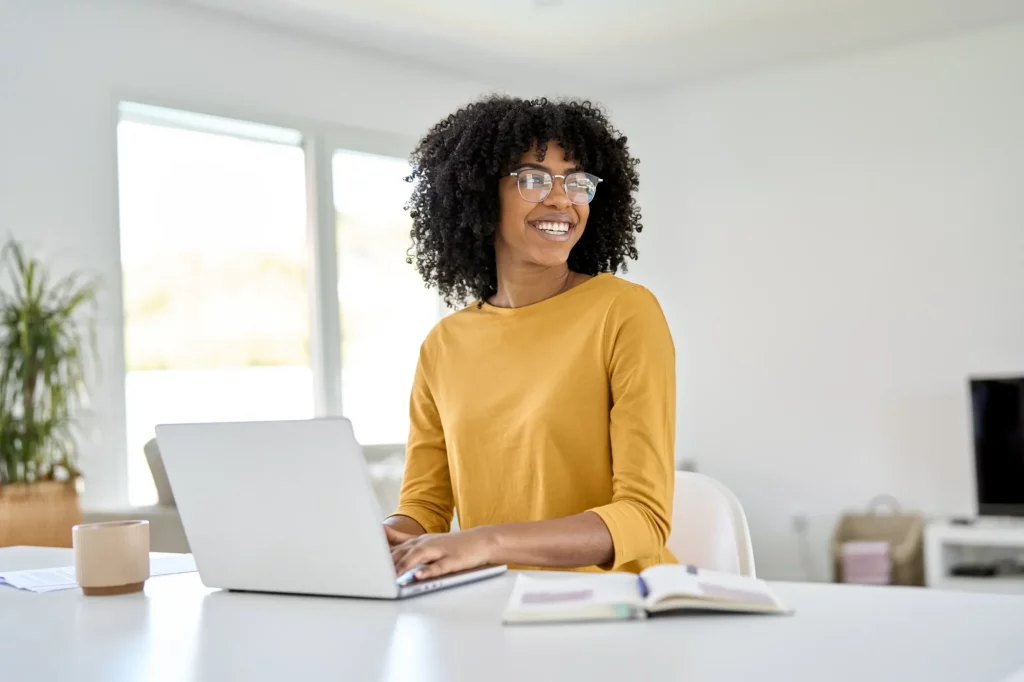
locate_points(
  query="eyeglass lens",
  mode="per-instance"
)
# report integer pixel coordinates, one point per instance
(536, 185)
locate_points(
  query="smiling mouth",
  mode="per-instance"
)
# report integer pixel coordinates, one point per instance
(552, 227)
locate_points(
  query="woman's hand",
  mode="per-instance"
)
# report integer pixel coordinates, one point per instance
(443, 553)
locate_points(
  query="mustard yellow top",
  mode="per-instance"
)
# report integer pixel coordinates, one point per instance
(549, 410)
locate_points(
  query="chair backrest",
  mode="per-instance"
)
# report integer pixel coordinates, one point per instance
(164, 495)
(709, 528)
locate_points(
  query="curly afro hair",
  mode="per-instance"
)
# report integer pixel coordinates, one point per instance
(455, 172)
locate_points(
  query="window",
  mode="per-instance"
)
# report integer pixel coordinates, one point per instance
(220, 264)
(385, 309)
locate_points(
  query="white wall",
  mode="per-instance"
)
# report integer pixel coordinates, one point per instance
(63, 65)
(838, 245)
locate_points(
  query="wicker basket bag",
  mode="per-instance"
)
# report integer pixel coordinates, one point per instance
(904, 532)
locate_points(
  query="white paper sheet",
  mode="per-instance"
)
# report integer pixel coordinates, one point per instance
(63, 578)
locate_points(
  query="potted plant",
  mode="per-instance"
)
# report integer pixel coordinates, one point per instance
(46, 327)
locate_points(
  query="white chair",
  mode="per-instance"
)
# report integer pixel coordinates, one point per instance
(709, 528)
(165, 531)
(386, 464)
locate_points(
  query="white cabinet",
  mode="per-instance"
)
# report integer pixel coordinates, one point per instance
(984, 541)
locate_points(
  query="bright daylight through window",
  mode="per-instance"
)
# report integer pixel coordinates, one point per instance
(216, 280)
(386, 311)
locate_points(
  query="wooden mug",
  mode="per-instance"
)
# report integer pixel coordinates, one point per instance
(111, 557)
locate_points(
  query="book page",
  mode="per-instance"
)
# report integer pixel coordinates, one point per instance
(561, 594)
(669, 581)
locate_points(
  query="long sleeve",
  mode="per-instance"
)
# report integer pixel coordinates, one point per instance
(642, 427)
(426, 485)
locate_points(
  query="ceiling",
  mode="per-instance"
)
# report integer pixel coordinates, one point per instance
(618, 44)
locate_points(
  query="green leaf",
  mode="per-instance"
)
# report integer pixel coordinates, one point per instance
(45, 327)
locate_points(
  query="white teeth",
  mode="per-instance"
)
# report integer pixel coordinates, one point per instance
(554, 228)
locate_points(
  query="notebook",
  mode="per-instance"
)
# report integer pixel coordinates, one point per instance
(666, 588)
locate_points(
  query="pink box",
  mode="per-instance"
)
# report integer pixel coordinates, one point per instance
(866, 563)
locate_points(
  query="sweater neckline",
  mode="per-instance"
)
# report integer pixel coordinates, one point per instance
(547, 302)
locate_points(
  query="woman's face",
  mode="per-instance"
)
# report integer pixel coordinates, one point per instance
(540, 233)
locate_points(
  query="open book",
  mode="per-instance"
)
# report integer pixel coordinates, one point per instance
(537, 598)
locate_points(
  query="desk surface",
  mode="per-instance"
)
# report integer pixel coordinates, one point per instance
(179, 630)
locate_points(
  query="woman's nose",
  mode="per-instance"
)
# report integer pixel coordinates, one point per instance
(558, 197)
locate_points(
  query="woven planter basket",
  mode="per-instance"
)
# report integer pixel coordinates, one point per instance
(40, 513)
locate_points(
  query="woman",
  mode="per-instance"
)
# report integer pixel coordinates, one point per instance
(544, 412)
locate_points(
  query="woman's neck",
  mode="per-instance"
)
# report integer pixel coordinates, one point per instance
(523, 284)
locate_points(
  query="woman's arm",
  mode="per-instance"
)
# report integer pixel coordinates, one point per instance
(404, 524)
(642, 378)
(568, 542)
(425, 503)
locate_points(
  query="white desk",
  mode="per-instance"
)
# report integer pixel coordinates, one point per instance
(178, 630)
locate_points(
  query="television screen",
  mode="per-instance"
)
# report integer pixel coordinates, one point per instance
(998, 416)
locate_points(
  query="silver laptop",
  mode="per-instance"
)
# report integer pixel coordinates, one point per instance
(286, 507)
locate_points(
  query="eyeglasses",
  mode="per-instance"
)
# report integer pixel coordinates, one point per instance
(535, 185)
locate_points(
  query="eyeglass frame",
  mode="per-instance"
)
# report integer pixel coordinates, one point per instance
(515, 174)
